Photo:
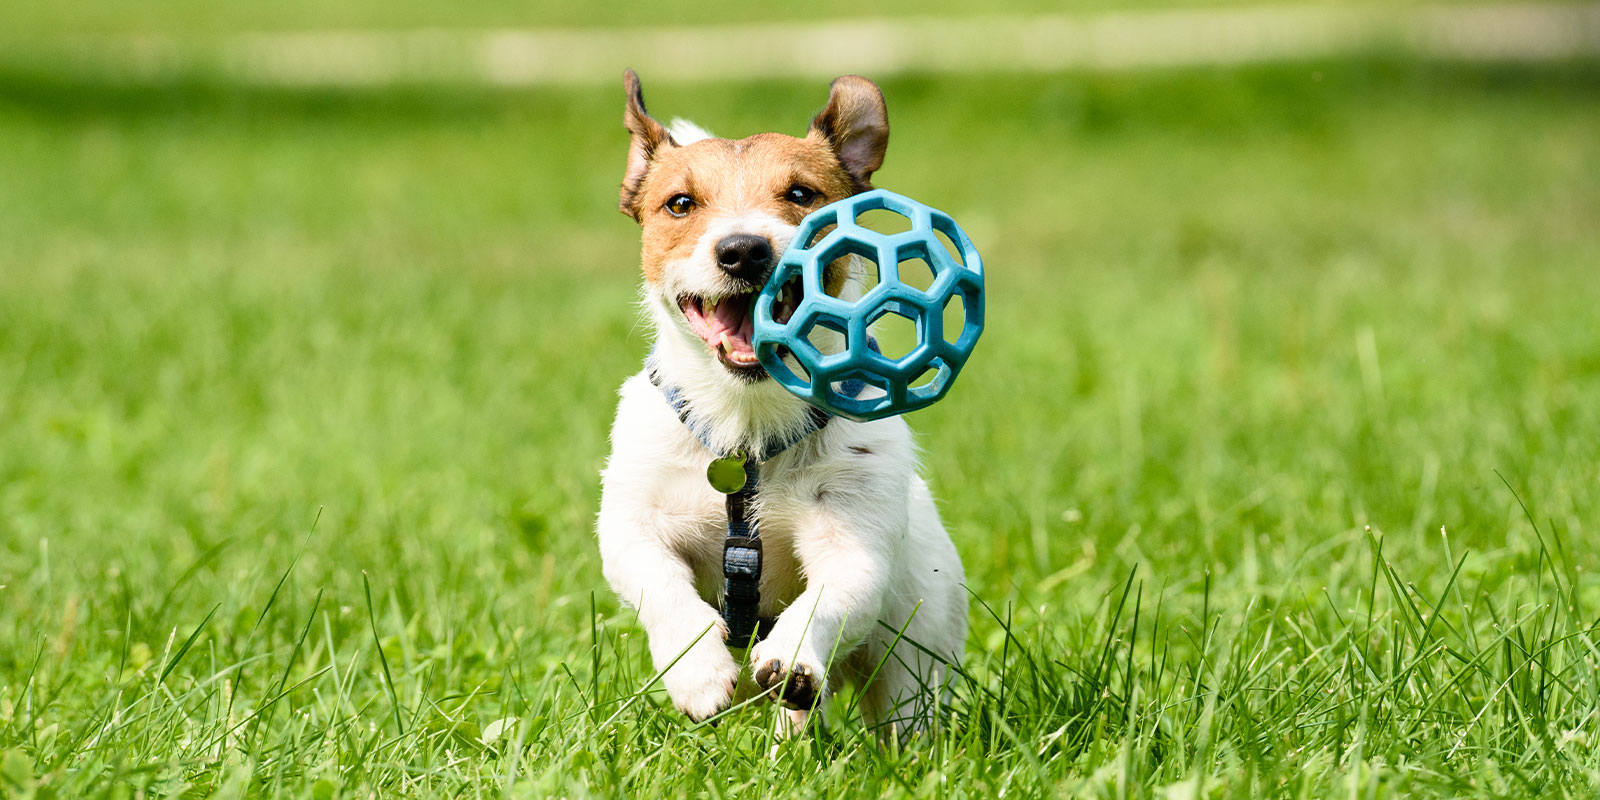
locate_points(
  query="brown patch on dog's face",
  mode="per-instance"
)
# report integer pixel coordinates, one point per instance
(693, 200)
(768, 174)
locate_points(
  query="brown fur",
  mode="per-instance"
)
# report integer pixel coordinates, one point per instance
(856, 125)
(727, 177)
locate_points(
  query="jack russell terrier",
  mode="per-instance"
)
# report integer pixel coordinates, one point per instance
(853, 575)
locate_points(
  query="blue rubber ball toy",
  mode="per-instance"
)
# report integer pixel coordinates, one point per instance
(841, 367)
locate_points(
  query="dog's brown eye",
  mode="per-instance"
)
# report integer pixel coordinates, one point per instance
(800, 195)
(680, 205)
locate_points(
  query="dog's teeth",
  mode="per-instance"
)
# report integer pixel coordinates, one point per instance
(711, 307)
(725, 344)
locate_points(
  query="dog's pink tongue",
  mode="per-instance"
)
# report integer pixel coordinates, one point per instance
(733, 319)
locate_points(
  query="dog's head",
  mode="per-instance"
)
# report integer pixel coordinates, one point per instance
(717, 213)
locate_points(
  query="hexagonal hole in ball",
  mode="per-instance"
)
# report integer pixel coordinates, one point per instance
(826, 226)
(895, 328)
(948, 240)
(861, 385)
(954, 318)
(827, 335)
(789, 362)
(788, 299)
(851, 269)
(926, 380)
(883, 221)
(916, 273)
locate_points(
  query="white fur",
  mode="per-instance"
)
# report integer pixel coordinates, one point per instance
(850, 533)
(698, 273)
(685, 132)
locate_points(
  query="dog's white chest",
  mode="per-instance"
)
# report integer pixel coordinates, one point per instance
(700, 536)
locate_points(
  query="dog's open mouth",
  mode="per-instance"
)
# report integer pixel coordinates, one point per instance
(727, 325)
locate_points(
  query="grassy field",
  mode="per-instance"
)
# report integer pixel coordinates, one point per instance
(206, 17)
(304, 397)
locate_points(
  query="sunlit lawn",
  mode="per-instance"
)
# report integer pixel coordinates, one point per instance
(259, 351)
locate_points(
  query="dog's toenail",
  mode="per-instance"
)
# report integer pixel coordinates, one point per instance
(766, 672)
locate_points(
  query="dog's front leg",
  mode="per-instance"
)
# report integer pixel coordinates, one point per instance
(685, 633)
(847, 568)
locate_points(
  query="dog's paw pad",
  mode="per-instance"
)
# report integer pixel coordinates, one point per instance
(796, 687)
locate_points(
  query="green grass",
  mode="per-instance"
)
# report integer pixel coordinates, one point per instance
(304, 397)
(205, 17)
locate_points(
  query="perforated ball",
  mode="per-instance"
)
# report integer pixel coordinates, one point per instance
(853, 379)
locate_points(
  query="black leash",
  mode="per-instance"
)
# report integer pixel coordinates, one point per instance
(741, 561)
(737, 474)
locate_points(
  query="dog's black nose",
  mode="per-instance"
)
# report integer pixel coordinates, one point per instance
(745, 256)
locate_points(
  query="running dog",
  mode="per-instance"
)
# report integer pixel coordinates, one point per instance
(853, 559)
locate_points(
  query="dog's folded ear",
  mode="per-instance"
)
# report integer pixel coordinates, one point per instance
(648, 137)
(856, 125)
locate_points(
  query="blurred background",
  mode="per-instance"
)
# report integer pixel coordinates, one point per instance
(344, 286)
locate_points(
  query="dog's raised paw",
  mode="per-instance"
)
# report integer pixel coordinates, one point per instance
(701, 683)
(712, 697)
(796, 687)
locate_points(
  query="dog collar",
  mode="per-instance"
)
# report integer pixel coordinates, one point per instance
(817, 419)
(770, 448)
